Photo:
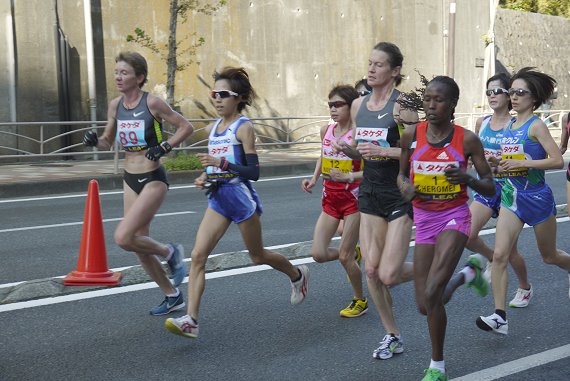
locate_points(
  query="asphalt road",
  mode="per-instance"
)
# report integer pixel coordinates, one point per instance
(249, 331)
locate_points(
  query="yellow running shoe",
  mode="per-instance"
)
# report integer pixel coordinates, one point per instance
(356, 308)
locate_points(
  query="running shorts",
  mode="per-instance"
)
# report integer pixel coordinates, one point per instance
(340, 203)
(531, 207)
(137, 181)
(382, 202)
(235, 201)
(494, 202)
(429, 224)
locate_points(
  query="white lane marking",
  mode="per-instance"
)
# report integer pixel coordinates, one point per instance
(81, 223)
(132, 288)
(110, 193)
(517, 366)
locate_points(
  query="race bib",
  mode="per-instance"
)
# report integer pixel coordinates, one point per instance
(377, 136)
(220, 150)
(431, 182)
(514, 152)
(130, 133)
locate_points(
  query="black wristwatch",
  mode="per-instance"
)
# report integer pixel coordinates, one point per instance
(166, 146)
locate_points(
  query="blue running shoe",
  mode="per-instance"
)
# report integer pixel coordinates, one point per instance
(176, 265)
(168, 305)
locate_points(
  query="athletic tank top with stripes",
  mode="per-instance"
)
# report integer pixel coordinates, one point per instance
(137, 129)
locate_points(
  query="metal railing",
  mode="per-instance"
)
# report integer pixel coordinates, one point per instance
(45, 140)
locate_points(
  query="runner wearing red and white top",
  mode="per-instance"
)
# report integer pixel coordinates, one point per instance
(341, 179)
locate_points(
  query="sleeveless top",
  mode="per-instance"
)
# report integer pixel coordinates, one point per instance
(427, 165)
(380, 128)
(517, 144)
(340, 161)
(568, 130)
(491, 140)
(137, 129)
(226, 145)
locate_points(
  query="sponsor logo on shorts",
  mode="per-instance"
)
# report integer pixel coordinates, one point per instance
(142, 180)
(452, 222)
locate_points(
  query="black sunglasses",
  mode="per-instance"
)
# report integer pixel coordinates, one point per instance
(337, 104)
(363, 93)
(518, 92)
(496, 91)
(222, 94)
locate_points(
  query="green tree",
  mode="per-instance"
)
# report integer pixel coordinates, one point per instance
(178, 54)
(548, 7)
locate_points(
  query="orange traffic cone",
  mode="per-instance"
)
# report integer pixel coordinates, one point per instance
(92, 267)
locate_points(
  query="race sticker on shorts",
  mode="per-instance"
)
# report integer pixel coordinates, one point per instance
(431, 182)
(130, 133)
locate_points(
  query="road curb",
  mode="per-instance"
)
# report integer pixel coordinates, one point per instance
(52, 287)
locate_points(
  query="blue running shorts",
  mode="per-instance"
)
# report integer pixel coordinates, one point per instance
(533, 207)
(235, 201)
(494, 202)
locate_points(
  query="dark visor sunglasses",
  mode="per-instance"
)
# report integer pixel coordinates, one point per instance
(337, 104)
(518, 92)
(363, 93)
(496, 91)
(222, 94)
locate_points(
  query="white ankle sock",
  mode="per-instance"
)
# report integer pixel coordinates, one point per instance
(439, 365)
(468, 273)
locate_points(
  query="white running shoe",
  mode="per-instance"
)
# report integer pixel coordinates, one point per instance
(389, 345)
(182, 326)
(522, 298)
(493, 323)
(300, 288)
(487, 272)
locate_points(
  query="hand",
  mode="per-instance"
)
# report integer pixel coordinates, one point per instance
(90, 139)
(201, 182)
(338, 146)
(456, 175)
(408, 191)
(368, 149)
(308, 185)
(155, 153)
(511, 164)
(208, 160)
(338, 176)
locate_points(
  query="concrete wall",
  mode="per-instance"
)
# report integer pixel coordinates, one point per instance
(294, 50)
(530, 39)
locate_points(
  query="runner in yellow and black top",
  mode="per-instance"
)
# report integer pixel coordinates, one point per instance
(135, 121)
(341, 178)
(385, 217)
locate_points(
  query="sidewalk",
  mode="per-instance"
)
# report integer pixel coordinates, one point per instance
(68, 176)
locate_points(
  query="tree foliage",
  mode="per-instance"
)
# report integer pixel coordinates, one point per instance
(177, 53)
(548, 7)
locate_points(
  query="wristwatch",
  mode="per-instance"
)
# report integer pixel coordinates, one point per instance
(166, 146)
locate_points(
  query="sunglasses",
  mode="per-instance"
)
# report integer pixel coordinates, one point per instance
(337, 104)
(363, 93)
(496, 91)
(215, 94)
(518, 92)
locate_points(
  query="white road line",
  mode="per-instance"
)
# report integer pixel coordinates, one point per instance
(81, 223)
(132, 288)
(110, 193)
(517, 366)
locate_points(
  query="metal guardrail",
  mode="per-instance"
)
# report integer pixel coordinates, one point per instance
(43, 140)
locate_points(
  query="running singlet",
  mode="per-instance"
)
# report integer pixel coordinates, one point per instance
(137, 129)
(427, 165)
(339, 160)
(380, 128)
(226, 145)
(491, 140)
(518, 145)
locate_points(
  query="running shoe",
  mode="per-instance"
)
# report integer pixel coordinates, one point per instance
(488, 271)
(359, 255)
(389, 345)
(522, 298)
(493, 323)
(432, 374)
(356, 308)
(479, 284)
(300, 288)
(182, 326)
(168, 305)
(176, 264)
